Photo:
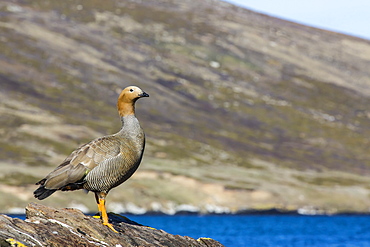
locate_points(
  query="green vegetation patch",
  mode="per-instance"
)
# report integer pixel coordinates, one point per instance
(330, 181)
(18, 179)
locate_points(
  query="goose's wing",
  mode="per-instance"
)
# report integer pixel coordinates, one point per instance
(76, 166)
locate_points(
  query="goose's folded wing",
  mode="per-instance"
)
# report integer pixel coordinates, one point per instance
(81, 161)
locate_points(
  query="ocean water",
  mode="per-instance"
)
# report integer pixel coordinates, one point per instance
(274, 231)
(267, 230)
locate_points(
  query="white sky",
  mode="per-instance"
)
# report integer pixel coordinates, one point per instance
(345, 16)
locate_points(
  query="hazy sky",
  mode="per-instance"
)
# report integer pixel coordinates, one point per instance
(344, 16)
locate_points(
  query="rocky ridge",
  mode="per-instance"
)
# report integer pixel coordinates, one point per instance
(47, 226)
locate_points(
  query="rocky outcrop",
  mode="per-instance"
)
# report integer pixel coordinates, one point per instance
(47, 226)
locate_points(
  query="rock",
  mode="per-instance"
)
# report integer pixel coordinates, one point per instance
(47, 226)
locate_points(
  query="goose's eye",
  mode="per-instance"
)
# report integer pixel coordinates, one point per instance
(131, 90)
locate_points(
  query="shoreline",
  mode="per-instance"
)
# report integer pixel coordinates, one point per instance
(251, 212)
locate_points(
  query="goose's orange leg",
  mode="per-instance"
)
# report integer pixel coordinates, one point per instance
(100, 200)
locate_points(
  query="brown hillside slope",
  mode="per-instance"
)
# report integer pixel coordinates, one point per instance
(247, 111)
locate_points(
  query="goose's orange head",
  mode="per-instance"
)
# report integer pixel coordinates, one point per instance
(127, 98)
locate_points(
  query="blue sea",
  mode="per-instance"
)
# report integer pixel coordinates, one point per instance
(267, 230)
(274, 231)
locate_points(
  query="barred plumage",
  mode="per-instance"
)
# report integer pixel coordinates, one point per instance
(105, 162)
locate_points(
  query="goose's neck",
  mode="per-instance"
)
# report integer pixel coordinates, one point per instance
(126, 109)
(130, 125)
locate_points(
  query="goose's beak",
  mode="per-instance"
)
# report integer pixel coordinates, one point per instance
(143, 94)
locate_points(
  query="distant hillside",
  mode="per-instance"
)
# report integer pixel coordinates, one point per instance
(245, 110)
